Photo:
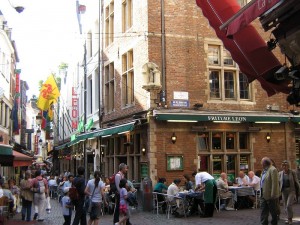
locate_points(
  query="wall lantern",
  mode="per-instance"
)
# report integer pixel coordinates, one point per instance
(17, 5)
(268, 137)
(143, 151)
(174, 138)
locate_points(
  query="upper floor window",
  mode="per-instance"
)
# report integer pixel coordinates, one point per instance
(226, 82)
(126, 15)
(127, 79)
(109, 24)
(109, 82)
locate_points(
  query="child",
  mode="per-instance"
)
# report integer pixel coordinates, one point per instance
(67, 207)
(123, 203)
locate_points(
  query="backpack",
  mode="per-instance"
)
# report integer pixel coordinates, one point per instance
(40, 186)
(112, 184)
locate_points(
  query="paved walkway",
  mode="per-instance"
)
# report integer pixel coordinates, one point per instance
(138, 217)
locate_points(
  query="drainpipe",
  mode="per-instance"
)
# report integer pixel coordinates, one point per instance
(163, 53)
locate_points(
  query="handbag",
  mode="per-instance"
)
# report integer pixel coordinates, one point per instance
(88, 202)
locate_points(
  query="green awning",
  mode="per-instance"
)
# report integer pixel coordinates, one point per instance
(222, 117)
(100, 133)
(6, 150)
(6, 155)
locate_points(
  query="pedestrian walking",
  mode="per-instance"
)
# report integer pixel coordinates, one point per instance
(124, 211)
(40, 189)
(67, 207)
(118, 177)
(79, 183)
(26, 196)
(95, 190)
(269, 192)
(288, 185)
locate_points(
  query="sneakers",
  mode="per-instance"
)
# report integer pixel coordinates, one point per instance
(35, 216)
(229, 209)
(48, 211)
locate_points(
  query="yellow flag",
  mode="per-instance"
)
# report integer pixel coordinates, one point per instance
(48, 93)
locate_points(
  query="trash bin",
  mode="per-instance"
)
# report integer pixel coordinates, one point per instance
(146, 188)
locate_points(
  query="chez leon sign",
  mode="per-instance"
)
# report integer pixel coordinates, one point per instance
(227, 118)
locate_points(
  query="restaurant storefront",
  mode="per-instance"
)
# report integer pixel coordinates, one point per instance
(218, 141)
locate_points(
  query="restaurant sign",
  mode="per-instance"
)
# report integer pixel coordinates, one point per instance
(227, 118)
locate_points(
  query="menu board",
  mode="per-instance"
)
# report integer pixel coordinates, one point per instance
(144, 170)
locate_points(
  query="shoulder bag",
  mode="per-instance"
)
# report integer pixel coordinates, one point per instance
(88, 202)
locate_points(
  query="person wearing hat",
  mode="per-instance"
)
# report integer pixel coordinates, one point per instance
(67, 206)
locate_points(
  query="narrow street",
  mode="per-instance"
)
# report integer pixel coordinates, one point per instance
(138, 217)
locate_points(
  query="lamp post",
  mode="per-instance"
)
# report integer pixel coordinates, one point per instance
(17, 5)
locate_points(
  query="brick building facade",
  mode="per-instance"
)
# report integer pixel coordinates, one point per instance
(174, 101)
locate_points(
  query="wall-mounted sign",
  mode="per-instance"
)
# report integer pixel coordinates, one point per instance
(227, 118)
(74, 109)
(181, 95)
(180, 103)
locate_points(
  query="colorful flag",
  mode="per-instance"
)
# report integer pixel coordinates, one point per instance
(14, 117)
(48, 93)
(89, 124)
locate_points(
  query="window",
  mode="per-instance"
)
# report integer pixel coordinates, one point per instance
(243, 139)
(126, 15)
(109, 23)
(109, 81)
(213, 55)
(89, 47)
(230, 140)
(90, 96)
(244, 86)
(214, 83)
(229, 85)
(225, 80)
(97, 85)
(217, 141)
(127, 79)
(203, 142)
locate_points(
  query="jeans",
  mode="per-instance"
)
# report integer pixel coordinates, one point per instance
(26, 209)
(117, 206)
(288, 200)
(67, 220)
(268, 206)
(80, 215)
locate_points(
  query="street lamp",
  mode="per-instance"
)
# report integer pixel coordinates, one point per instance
(17, 5)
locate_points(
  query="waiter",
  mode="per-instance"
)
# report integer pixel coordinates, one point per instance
(205, 182)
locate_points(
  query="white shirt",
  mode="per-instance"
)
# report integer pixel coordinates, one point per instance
(255, 182)
(243, 181)
(202, 177)
(172, 190)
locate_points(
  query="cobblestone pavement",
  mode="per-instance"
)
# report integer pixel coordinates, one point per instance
(138, 217)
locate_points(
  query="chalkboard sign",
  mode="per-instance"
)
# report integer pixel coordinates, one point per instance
(144, 170)
(174, 162)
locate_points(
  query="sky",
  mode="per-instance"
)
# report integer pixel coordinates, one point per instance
(45, 34)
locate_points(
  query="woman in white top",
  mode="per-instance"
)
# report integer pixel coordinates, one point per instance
(95, 190)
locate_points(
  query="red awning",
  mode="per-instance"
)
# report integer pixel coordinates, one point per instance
(21, 159)
(247, 14)
(247, 48)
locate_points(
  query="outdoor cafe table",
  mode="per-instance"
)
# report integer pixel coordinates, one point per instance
(240, 194)
(189, 197)
(241, 191)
